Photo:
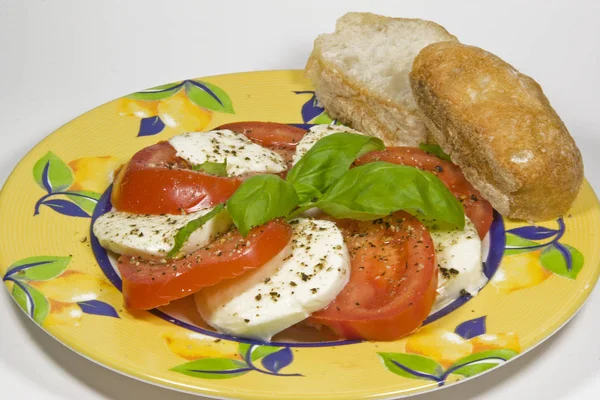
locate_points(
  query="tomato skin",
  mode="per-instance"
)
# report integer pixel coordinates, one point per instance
(144, 190)
(393, 280)
(159, 155)
(478, 209)
(150, 284)
(268, 134)
(156, 181)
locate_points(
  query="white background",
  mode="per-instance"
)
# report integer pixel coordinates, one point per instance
(59, 59)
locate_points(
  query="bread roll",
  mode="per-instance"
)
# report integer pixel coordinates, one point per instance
(499, 127)
(360, 74)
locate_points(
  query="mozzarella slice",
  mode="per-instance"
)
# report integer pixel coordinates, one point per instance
(242, 155)
(315, 134)
(458, 254)
(303, 278)
(153, 236)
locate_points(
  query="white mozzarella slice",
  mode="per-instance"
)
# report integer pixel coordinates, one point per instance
(458, 254)
(315, 134)
(242, 155)
(153, 236)
(303, 278)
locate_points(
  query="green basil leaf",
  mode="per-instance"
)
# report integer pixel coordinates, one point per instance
(306, 193)
(212, 168)
(377, 189)
(259, 200)
(329, 159)
(436, 150)
(52, 174)
(184, 233)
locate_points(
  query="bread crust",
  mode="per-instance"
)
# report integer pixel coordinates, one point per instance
(500, 128)
(355, 107)
(363, 109)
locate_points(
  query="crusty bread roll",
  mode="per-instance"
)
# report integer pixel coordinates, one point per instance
(360, 74)
(499, 127)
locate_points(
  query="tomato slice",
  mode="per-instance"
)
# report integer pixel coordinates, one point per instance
(154, 182)
(149, 284)
(159, 155)
(268, 134)
(168, 191)
(393, 280)
(478, 209)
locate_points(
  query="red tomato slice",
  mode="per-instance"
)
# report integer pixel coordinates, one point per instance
(478, 209)
(156, 181)
(150, 284)
(159, 155)
(165, 191)
(268, 134)
(153, 182)
(393, 280)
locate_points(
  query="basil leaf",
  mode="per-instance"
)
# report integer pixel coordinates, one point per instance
(259, 200)
(377, 189)
(307, 193)
(185, 232)
(436, 150)
(212, 168)
(328, 160)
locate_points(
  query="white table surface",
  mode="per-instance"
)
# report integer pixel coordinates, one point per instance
(59, 59)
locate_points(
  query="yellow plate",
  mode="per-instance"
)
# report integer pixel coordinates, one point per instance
(55, 270)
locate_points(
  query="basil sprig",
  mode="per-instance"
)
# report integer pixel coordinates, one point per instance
(323, 179)
(184, 233)
(212, 168)
(260, 199)
(326, 162)
(379, 188)
(436, 150)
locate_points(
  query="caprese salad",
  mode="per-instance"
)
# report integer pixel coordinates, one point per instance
(268, 225)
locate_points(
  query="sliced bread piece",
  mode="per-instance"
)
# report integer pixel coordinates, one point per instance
(360, 74)
(499, 127)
